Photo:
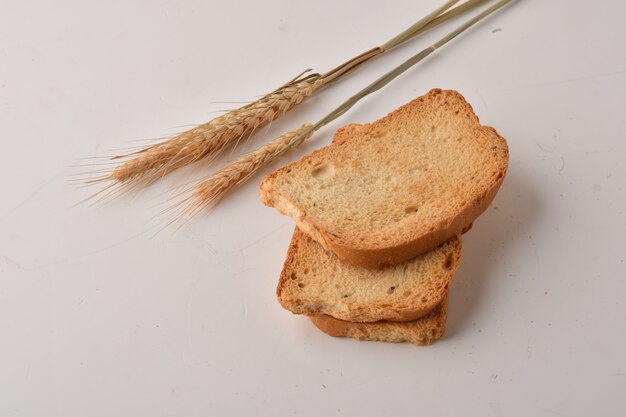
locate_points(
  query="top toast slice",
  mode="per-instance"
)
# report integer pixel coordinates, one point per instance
(387, 191)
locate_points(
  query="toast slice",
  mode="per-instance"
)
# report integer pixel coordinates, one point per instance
(388, 191)
(423, 331)
(314, 281)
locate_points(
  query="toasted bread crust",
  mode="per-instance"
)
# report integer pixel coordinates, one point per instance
(423, 331)
(415, 240)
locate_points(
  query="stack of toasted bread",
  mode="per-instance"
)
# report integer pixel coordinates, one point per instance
(380, 213)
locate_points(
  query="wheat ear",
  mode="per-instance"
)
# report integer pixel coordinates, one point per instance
(213, 188)
(208, 139)
(193, 145)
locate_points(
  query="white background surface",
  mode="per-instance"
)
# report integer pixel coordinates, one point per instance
(98, 317)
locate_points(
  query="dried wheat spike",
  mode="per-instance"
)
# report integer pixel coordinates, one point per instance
(209, 138)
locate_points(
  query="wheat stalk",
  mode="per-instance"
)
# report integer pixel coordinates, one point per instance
(213, 188)
(156, 161)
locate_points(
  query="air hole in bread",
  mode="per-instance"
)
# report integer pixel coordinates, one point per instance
(410, 209)
(301, 285)
(424, 299)
(377, 134)
(391, 290)
(500, 175)
(306, 270)
(323, 171)
(449, 261)
(293, 276)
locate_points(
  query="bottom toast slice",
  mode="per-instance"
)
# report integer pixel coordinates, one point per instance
(423, 331)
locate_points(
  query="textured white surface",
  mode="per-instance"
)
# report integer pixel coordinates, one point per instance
(100, 318)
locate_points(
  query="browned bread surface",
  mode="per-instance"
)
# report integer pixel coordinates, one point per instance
(390, 190)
